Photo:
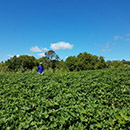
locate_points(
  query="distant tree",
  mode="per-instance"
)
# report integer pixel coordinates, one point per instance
(86, 61)
(125, 62)
(101, 63)
(51, 55)
(26, 62)
(116, 63)
(61, 65)
(71, 63)
(44, 62)
(108, 63)
(11, 63)
(3, 67)
(51, 58)
(21, 62)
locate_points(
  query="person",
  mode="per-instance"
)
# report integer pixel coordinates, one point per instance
(40, 69)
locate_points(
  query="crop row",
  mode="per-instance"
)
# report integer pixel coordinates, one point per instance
(96, 99)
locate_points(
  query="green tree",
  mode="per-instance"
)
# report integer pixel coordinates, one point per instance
(51, 58)
(116, 63)
(44, 62)
(125, 62)
(61, 65)
(86, 61)
(101, 63)
(22, 62)
(3, 67)
(71, 63)
(26, 62)
(11, 63)
(108, 63)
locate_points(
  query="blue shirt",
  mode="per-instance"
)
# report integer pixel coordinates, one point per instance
(40, 69)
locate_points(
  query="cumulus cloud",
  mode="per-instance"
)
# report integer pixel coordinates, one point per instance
(41, 54)
(61, 45)
(11, 56)
(106, 48)
(127, 39)
(128, 34)
(117, 37)
(35, 49)
(44, 49)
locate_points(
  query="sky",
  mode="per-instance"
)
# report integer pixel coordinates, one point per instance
(69, 27)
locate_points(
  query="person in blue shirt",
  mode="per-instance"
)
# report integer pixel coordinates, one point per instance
(40, 69)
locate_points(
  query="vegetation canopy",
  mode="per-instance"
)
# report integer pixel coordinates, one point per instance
(84, 61)
(94, 99)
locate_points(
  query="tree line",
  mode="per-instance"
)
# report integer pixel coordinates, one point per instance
(84, 61)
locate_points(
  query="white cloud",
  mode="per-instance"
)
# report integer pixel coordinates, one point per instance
(106, 48)
(61, 45)
(128, 39)
(41, 54)
(17, 55)
(35, 49)
(11, 56)
(128, 34)
(117, 37)
(44, 49)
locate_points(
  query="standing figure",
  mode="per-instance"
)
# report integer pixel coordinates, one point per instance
(40, 69)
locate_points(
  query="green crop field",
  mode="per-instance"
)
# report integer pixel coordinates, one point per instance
(96, 99)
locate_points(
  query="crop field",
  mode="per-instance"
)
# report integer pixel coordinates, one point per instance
(87, 100)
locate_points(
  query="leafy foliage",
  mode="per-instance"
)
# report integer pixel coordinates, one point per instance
(84, 61)
(21, 62)
(94, 99)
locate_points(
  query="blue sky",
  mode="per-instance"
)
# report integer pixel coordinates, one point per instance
(69, 27)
